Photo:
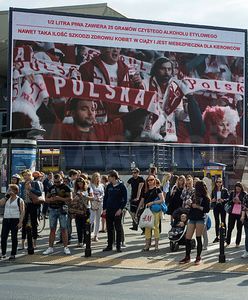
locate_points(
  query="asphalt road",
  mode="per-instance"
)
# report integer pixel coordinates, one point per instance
(56, 282)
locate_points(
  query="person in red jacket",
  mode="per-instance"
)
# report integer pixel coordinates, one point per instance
(85, 127)
(108, 68)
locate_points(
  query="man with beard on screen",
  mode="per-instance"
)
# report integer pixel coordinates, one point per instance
(85, 127)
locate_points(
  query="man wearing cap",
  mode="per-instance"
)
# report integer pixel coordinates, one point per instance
(58, 197)
(136, 182)
(37, 178)
(16, 179)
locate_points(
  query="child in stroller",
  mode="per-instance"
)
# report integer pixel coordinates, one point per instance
(178, 230)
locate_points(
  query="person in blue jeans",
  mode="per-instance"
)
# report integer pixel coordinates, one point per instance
(58, 197)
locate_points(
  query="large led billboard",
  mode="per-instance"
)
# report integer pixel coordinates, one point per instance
(94, 79)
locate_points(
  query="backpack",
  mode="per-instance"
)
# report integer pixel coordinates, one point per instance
(18, 203)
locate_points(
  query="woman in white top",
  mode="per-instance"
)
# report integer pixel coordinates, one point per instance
(12, 220)
(96, 204)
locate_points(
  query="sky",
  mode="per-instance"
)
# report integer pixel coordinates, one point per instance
(224, 13)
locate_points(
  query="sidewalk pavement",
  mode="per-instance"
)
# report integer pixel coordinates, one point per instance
(132, 257)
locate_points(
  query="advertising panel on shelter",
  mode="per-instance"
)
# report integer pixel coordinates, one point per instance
(107, 80)
(22, 159)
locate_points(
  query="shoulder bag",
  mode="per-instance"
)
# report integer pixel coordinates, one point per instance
(36, 199)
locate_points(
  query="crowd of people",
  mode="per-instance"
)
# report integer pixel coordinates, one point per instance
(102, 200)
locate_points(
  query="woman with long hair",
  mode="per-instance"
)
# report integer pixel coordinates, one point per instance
(152, 195)
(104, 181)
(96, 204)
(219, 197)
(235, 201)
(198, 208)
(172, 183)
(188, 190)
(79, 207)
(175, 201)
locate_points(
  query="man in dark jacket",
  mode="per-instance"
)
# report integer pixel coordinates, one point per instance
(114, 202)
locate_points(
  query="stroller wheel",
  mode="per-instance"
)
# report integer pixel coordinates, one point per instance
(174, 247)
(193, 243)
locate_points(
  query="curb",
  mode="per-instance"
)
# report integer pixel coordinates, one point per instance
(157, 263)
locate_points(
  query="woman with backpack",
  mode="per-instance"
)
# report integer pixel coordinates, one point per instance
(12, 220)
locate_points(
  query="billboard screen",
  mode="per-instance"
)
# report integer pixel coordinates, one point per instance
(94, 79)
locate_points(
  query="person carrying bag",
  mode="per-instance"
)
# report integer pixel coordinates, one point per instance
(146, 219)
(152, 196)
(235, 201)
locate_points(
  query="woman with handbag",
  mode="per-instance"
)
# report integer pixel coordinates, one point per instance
(235, 207)
(153, 198)
(96, 203)
(199, 206)
(219, 197)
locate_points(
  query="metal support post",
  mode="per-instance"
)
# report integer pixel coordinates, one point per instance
(222, 257)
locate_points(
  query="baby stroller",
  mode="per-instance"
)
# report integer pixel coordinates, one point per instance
(177, 232)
